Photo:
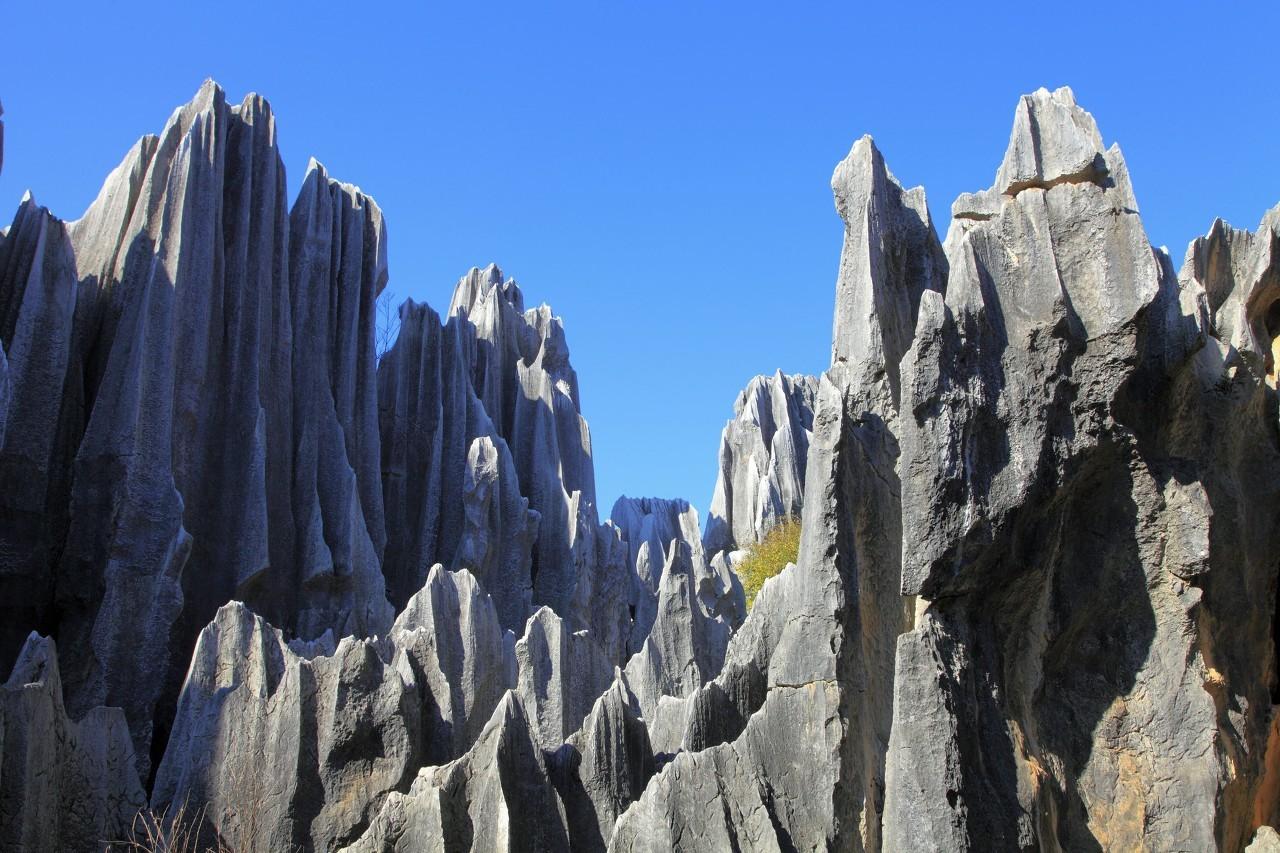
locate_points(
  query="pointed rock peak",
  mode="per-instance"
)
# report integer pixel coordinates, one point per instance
(890, 255)
(1053, 141)
(317, 173)
(37, 662)
(478, 284)
(255, 107)
(858, 174)
(209, 97)
(543, 619)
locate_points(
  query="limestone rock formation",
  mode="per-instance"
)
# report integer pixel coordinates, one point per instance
(1034, 607)
(64, 784)
(38, 287)
(299, 744)
(603, 768)
(764, 451)
(171, 445)
(1088, 468)
(487, 462)
(653, 529)
(560, 676)
(496, 797)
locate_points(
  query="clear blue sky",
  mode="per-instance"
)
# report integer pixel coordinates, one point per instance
(658, 172)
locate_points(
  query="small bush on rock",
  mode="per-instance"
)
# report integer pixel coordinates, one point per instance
(780, 546)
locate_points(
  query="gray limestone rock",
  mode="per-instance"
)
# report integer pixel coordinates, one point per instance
(38, 287)
(151, 346)
(691, 631)
(603, 768)
(1034, 606)
(450, 485)
(337, 267)
(487, 462)
(496, 797)
(652, 529)
(561, 674)
(1266, 840)
(299, 744)
(64, 784)
(1088, 523)
(763, 454)
(786, 744)
(890, 258)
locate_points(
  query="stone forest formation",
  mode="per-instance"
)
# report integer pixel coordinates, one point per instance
(256, 579)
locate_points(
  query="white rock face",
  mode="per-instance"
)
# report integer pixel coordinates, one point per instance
(763, 454)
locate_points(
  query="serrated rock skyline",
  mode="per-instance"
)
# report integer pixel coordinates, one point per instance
(338, 603)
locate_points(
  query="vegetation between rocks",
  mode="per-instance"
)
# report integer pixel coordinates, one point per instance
(766, 558)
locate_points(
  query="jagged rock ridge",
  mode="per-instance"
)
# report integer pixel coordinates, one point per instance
(1034, 606)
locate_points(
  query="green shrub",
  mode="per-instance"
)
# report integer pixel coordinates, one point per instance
(765, 559)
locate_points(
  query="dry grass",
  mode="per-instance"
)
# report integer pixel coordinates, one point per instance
(765, 559)
(158, 832)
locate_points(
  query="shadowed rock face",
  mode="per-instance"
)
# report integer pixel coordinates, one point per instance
(1087, 518)
(178, 446)
(1034, 606)
(64, 784)
(486, 463)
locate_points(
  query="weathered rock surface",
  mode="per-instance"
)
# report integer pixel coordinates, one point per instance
(1035, 605)
(64, 784)
(38, 287)
(1089, 471)
(602, 769)
(299, 744)
(172, 445)
(561, 674)
(496, 797)
(487, 463)
(764, 451)
(653, 529)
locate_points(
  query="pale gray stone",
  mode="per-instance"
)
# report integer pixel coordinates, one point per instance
(299, 744)
(1265, 840)
(1086, 522)
(763, 454)
(499, 375)
(602, 769)
(561, 674)
(496, 797)
(890, 257)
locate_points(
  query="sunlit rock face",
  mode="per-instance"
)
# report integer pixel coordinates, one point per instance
(341, 602)
(764, 452)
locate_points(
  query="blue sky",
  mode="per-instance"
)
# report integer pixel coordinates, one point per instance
(658, 172)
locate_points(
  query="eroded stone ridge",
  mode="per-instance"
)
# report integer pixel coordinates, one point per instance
(1034, 606)
(764, 451)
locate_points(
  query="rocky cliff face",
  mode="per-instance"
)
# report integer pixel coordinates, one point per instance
(764, 452)
(333, 605)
